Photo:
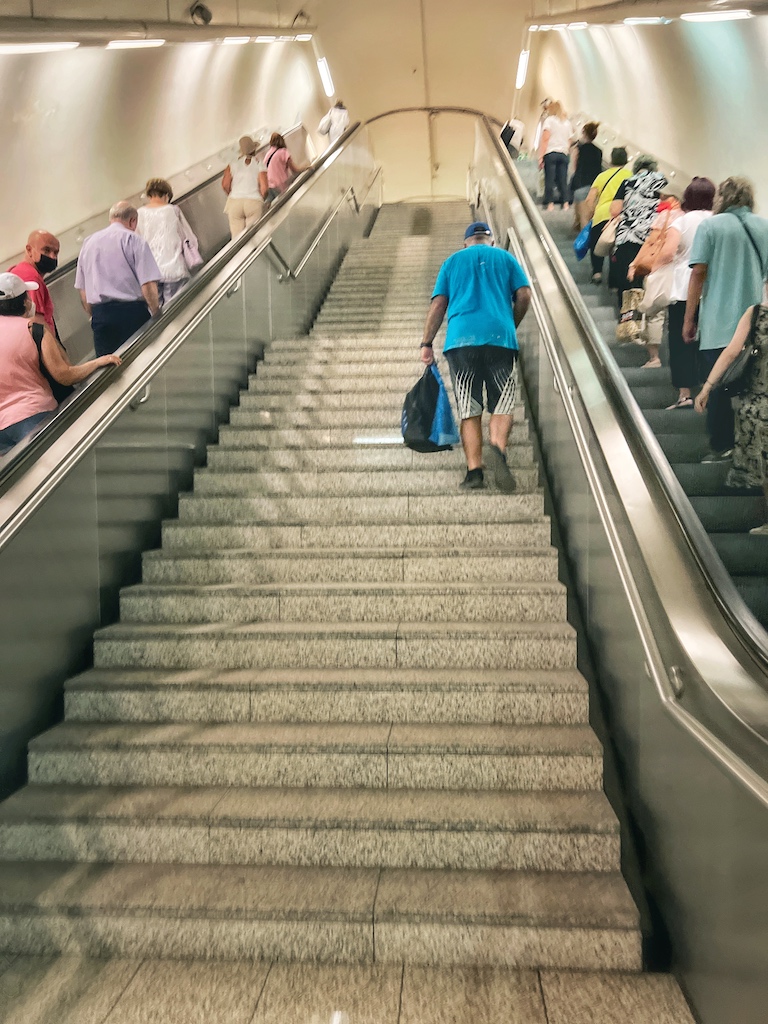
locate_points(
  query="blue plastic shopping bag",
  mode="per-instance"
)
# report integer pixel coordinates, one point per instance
(581, 241)
(427, 421)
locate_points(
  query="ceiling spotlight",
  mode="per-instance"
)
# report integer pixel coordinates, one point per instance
(200, 14)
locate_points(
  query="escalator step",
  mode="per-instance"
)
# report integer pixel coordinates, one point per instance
(754, 591)
(708, 479)
(743, 555)
(729, 515)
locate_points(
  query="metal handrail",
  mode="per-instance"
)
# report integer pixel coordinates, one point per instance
(732, 605)
(32, 447)
(291, 275)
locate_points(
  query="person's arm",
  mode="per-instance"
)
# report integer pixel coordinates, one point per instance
(292, 166)
(58, 365)
(151, 297)
(263, 184)
(226, 181)
(695, 288)
(435, 317)
(616, 207)
(591, 202)
(85, 302)
(545, 135)
(725, 359)
(522, 302)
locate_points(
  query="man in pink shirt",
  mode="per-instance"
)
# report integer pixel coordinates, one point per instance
(41, 257)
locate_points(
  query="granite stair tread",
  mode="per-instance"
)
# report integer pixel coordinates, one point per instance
(578, 811)
(244, 892)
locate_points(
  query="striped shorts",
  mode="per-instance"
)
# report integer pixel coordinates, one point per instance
(476, 365)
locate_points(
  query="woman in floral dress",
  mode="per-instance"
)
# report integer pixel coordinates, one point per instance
(750, 453)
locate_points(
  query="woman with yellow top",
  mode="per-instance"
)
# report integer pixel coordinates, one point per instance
(601, 195)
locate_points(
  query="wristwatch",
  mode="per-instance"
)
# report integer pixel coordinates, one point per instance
(426, 344)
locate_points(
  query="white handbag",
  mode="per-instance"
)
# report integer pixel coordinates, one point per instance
(657, 290)
(607, 239)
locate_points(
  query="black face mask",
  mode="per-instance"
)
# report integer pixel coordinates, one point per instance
(46, 265)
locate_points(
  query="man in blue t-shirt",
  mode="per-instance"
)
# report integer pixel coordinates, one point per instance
(485, 294)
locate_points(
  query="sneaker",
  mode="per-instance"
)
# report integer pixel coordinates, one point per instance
(725, 456)
(759, 531)
(681, 403)
(503, 479)
(473, 481)
(597, 279)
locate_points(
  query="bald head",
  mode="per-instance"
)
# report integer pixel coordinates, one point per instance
(43, 247)
(125, 213)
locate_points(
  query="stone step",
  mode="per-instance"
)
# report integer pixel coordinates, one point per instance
(342, 565)
(583, 921)
(526, 531)
(334, 437)
(391, 384)
(399, 368)
(357, 459)
(286, 419)
(358, 755)
(317, 342)
(444, 601)
(326, 695)
(219, 481)
(477, 830)
(473, 507)
(520, 645)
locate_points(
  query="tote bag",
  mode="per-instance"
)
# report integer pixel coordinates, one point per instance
(607, 239)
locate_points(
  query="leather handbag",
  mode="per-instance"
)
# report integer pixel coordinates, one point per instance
(737, 379)
(650, 250)
(607, 239)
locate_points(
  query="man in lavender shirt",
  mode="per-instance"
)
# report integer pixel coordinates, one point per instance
(117, 279)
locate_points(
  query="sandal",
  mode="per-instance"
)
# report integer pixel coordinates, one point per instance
(681, 403)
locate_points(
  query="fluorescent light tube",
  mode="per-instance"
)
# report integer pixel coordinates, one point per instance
(236, 40)
(576, 25)
(304, 37)
(646, 21)
(36, 47)
(740, 15)
(533, 28)
(133, 44)
(325, 76)
(265, 39)
(522, 68)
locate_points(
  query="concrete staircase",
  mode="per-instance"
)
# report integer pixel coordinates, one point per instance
(340, 719)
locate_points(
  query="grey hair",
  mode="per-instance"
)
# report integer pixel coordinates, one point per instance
(123, 211)
(734, 192)
(645, 163)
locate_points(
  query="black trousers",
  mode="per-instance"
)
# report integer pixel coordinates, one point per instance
(594, 235)
(114, 322)
(621, 257)
(682, 358)
(719, 409)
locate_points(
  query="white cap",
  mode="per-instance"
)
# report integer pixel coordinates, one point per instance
(12, 286)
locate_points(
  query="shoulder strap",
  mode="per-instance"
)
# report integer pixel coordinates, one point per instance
(271, 155)
(755, 246)
(38, 333)
(605, 186)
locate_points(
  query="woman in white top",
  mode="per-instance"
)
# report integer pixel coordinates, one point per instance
(245, 182)
(554, 155)
(697, 207)
(335, 122)
(169, 236)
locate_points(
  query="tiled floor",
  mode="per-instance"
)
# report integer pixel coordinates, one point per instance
(74, 990)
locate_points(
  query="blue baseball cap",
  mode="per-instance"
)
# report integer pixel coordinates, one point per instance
(478, 228)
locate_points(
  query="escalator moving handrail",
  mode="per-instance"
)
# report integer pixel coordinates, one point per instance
(734, 610)
(31, 448)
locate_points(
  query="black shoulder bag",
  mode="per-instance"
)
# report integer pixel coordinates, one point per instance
(60, 391)
(737, 379)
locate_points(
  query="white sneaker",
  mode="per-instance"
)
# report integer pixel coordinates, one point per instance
(759, 531)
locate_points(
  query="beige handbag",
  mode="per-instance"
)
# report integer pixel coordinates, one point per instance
(607, 239)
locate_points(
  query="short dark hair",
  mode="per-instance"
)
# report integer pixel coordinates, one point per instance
(700, 195)
(619, 156)
(158, 187)
(14, 307)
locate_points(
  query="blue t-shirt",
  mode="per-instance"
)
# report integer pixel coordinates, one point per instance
(480, 284)
(734, 273)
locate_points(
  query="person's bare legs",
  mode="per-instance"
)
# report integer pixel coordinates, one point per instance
(500, 429)
(471, 431)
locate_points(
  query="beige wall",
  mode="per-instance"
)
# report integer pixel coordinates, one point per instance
(89, 125)
(691, 94)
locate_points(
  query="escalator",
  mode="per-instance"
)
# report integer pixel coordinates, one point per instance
(727, 514)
